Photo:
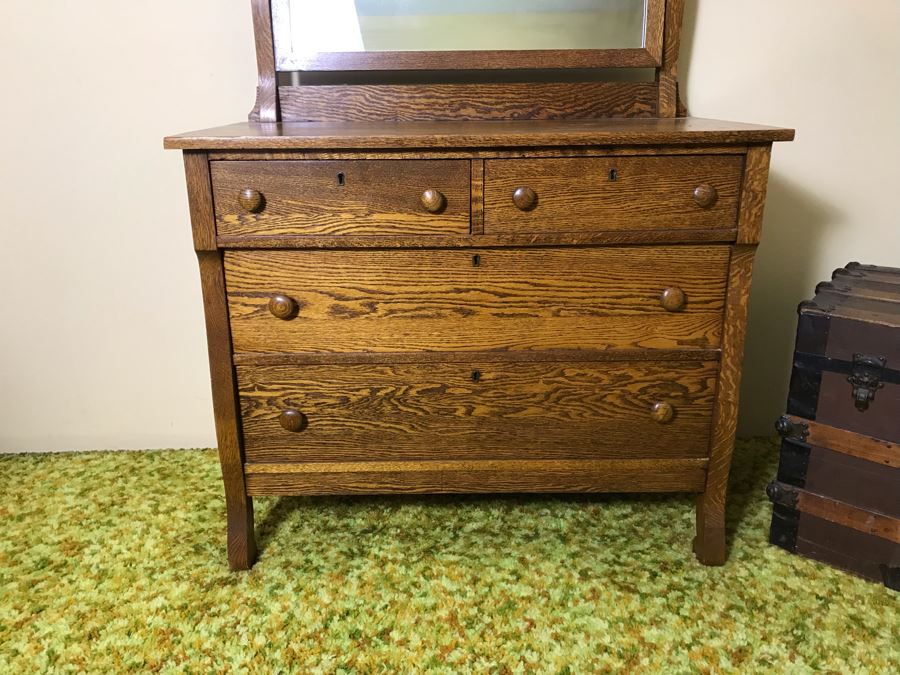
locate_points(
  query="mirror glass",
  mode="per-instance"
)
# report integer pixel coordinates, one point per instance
(465, 25)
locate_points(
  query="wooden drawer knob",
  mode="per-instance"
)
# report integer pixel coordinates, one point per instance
(524, 198)
(282, 306)
(292, 420)
(672, 299)
(662, 412)
(251, 200)
(433, 201)
(705, 195)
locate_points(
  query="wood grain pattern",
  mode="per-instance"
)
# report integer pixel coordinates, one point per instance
(531, 59)
(239, 507)
(477, 198)
(559, 355)
(402, 301)
(336, 197)
(518, 239)
(475, 134)
(266, 107)
(580, 195)
(507, 411)
(483, 101)
(655, 29)
(885, 453)
(834, 511)
(484, 153)
(709, 544)
(620, 475)
(667, 73)
(203, 220)
(753, 194)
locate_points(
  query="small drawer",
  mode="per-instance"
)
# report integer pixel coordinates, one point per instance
(612, 193)
(475, 410)
(476, 299)
(336, 197)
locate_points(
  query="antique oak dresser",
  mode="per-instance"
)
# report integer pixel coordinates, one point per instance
(474, 269)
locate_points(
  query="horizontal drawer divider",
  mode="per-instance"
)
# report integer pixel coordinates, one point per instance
(547, 476)
(563, 356)
(476, 465)
(603, 238)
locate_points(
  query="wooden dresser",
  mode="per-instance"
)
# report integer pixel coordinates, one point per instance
(475, 287)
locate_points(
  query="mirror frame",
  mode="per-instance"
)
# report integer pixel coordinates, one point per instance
(648, 56)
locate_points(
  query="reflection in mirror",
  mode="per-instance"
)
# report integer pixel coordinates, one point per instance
(465, 25)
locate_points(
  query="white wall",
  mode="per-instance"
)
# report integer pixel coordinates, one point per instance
(831, 70)
(102, 342)
(101, 337)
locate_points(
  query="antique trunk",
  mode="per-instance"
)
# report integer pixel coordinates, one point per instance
(837, 494)
(463, 282)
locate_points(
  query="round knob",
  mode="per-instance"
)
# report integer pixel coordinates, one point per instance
(292, 420)
(672, 299)
(662, 412)
(282, 306)
(251, 200)
(705, 195)
(433, 200)
(524, 198)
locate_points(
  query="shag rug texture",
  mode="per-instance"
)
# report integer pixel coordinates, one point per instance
(115, 562)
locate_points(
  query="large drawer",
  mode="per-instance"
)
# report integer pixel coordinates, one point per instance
(476, 299)
(492, 410)
(325, 197)
(611, 193)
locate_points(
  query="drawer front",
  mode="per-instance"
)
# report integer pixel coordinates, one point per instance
(611, 193)
(359, 197)
(512, 410)
(476, 300)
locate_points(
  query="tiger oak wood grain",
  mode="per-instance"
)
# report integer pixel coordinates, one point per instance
(334, 197)
(618, 475)
(401, 301)
(485, 153)
(709, 544)
(559, 355)
(239, 507)
(578, 195)
(510, 410)
(482, 101)
(203, 222)
(480, 348)
(266, 108)
(667, 73)
(475, 134)
(753, 195)
(517, 239)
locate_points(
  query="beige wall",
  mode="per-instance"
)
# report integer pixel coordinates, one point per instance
(101, 336)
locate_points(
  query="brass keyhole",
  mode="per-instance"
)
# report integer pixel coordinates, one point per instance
(614, 174)
(340, 179)
(476, 375)
(476, 260)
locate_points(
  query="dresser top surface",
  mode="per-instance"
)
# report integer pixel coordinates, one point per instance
(469, 134)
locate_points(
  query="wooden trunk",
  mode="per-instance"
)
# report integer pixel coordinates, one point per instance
(837, 494)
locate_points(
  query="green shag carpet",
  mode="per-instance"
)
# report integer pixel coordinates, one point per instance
(115, 562)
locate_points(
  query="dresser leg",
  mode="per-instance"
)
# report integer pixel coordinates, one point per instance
(709, 544)
(241, 540)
